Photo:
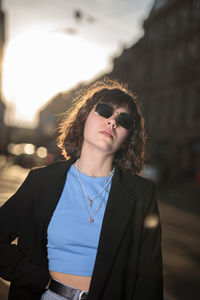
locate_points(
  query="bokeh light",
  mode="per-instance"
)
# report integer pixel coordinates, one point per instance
(41, 152)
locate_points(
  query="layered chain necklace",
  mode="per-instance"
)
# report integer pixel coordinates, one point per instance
(85, 195)
(82, 185)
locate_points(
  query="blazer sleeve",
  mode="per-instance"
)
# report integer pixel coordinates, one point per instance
(149, 283)
(15, 266)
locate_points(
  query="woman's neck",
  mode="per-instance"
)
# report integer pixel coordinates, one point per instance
(95, 164)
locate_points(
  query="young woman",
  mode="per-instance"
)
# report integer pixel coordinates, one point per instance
(87, 227)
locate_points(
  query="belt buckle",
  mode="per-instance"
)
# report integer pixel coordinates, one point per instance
(81, 294)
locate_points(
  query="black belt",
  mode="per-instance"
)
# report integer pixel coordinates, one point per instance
(66, 291)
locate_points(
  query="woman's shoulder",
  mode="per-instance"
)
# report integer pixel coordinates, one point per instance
(144, 189)
(138, 184)
(143, 180)
(53, 168)
(138, 180)
(144, 186)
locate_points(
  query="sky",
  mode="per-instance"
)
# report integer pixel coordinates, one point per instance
(51, 45)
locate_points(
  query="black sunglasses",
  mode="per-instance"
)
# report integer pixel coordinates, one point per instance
(106, 111)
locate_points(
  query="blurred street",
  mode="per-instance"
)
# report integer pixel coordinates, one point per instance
(11, 178)
(179, 207)
(179, 210)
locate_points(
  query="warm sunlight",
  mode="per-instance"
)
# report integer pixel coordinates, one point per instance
(38, 65)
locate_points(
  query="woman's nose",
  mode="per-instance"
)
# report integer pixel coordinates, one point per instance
(112, 121)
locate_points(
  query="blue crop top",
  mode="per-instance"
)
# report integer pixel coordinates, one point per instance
(72, 239)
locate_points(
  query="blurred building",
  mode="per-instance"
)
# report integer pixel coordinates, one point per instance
(163, 67)
(19, 135)
(2, 105)
(49, 117)
(20, 146)
(2, 39)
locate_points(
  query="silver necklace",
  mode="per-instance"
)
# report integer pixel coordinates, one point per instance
(83, 188)
(84, 172)
(91, 217)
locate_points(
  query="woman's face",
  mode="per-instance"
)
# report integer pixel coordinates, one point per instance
(104, 134)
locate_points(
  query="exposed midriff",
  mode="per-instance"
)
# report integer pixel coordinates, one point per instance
(76, 281)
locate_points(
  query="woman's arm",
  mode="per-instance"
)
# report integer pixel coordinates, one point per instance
(15, 266)
(150, 279)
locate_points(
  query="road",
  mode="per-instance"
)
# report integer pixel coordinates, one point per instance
(181, 250)
(179, 207)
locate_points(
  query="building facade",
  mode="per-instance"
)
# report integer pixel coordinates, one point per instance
(2, 105)
(50, 115)
(163, 67)
(2, 40)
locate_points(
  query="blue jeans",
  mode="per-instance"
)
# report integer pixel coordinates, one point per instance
(49, 295)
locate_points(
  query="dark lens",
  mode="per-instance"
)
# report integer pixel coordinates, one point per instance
(104, 110)
(125, 121)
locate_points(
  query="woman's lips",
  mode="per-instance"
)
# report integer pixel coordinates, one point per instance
(107, 134)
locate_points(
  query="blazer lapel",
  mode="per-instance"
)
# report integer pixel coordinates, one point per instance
(119, 207)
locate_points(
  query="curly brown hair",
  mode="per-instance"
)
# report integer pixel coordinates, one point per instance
(71, 129)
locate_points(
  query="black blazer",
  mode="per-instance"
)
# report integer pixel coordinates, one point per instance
(128, 264)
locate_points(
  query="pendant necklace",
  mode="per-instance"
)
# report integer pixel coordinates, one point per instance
(83, 188)
(91, 217)
(85, 196)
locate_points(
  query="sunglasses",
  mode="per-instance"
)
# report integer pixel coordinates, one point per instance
(106, 111)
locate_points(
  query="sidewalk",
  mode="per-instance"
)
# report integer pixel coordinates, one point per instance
(179, 210)
(10, 179)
